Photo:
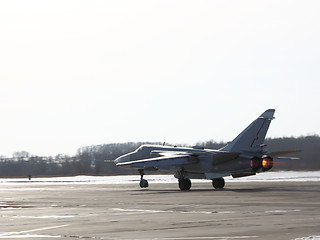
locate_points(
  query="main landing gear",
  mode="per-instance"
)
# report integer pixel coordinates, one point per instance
(184, 184)
(218, 183)
(143, 182)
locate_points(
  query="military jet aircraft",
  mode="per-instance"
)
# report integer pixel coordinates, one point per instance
(246, 155)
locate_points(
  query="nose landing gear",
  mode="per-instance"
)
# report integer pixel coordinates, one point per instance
(143, 182)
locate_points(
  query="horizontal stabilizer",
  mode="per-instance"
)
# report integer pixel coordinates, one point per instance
(283, 153)
(285, 159)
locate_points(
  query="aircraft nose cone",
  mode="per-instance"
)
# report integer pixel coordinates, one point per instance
(121, 159)
(117, 160)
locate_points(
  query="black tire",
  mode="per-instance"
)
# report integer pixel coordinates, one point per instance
(184, 184)
(218, 183)
(144, 183)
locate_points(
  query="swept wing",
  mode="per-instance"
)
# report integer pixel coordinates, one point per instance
(163, 161)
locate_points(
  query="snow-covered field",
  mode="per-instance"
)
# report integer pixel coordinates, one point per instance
(286, 176)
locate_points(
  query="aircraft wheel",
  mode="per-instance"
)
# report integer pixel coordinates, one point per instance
(184, 184)
(144, 183)
(218, 183)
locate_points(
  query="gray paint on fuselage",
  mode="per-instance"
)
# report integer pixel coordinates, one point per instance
(234, 159)
(207, 161)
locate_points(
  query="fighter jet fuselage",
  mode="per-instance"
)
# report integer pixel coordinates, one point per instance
(244, 156)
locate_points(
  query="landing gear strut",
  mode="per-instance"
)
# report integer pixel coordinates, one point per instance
(218, 183)
(143, 182)
(184, 184)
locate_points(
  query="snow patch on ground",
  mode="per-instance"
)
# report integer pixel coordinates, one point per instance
(309, 238)
(284, 176)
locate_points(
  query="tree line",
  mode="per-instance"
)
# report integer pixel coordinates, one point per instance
(98, 159)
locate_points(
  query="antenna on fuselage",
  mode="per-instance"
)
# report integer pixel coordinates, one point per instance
(164, 143)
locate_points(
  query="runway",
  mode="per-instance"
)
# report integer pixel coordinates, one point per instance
(243, 210)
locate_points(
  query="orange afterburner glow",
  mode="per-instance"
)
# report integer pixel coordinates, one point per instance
(267, 163)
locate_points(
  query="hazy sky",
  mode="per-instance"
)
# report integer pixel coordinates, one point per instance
(78, 73)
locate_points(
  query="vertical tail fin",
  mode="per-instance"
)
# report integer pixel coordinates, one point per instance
(253, 136)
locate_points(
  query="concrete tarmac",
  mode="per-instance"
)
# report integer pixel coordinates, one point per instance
(255, 210)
